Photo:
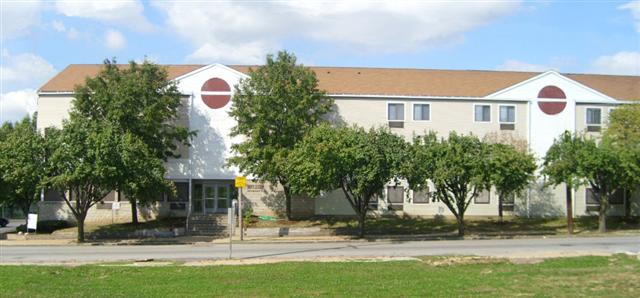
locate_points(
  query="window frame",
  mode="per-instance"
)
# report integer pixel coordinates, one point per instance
(404, 116)
(474, 112)
(488, 202)
(586, 117)
(515, 113)
(413, 112)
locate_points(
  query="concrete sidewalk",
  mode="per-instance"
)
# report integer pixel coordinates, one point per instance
(202, 240)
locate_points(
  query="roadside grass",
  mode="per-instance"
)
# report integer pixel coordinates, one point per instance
(441, 224)
(614, 276)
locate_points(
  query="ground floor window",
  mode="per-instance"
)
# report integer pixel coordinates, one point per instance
(483, 198)
(395, 197)
(421, 197)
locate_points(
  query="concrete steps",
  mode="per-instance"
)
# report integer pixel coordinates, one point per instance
(208, 225)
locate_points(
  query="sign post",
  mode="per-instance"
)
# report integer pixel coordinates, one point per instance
(231, 213)
(241, 182)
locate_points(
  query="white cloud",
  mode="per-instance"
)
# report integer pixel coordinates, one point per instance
(256, 28)
(122, 12)
(634, 7)
(18, 18)
(114, 40)
(24, 70)
(59, 26)
(17, 104)
(516, 65)
(621, 63)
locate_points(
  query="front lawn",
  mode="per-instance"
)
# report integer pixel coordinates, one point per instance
(475, 225)
(615, 276)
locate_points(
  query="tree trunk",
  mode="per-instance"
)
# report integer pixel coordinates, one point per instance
(627, 204)
(569, 195)
(602, 215)
(134, 211)
(361, 219)
(500, 208)
(287, 200)
(461, 226)
(80, 230)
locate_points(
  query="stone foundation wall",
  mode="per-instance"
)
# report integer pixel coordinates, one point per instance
(102, 213)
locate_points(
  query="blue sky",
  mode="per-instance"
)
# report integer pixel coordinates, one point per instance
(41, 38)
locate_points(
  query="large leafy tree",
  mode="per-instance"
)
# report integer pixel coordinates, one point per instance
(136, 100)
(511, 171)
(355, 161)
(458, 166)
(88, 161)
(561, 165)
(23, 161)
(623, 131)
(84, 165)
(274, 108)
(607, 169)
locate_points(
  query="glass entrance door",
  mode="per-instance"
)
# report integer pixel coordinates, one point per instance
(222, 198)
(209, 198)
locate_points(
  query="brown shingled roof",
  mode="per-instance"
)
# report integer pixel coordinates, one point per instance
(394, 81)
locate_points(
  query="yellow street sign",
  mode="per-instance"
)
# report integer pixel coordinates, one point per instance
(241, 181)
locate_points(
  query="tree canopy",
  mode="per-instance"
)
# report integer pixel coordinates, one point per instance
(23, 162)
(357, 162)
(458, 166)
(274, 108)
(139, 103)
(511, 171)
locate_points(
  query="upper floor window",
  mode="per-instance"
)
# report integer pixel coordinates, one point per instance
(482, 113)
(395, 112)
(421, 112)
(594, 116)
(507, 114)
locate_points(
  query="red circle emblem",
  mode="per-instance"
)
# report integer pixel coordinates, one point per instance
(552, 107)
(215, 93)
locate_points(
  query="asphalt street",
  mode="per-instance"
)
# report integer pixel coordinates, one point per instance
(523, 248)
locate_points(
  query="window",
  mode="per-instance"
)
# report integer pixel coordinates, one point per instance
(507, 114)
(421, 197)
(396, 112)
(594, 116)
(482, 113)
(395, 196)
(616, 199)
(395, 115)
(421, 112)
(483, 198)
(508, 203)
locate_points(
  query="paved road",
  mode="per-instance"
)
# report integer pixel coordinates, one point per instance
(499, 248)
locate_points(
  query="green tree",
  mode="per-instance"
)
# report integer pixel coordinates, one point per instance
(511, 171)
(607, 169)
(22, 163)
(357, 162)
(137, 99)
(274, 108)
(623, 130)
(457, 166)
(84, 165)
(561, 165)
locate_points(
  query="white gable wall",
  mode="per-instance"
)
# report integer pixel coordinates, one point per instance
(212, 144)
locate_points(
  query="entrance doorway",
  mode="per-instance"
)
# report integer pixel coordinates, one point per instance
(211, 198)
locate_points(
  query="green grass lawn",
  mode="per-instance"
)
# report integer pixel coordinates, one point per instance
(475, 225)
(616, 276)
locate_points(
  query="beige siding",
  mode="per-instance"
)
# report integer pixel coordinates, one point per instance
(446, 116)
(52, 110)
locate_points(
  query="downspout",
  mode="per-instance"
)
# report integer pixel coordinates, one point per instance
(189, 207)
(529, 145)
